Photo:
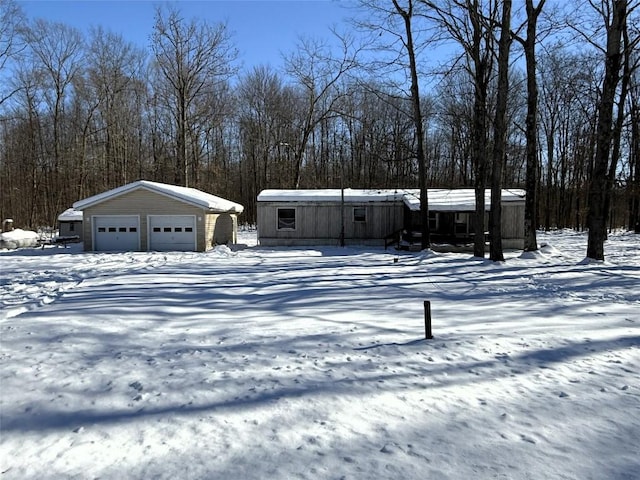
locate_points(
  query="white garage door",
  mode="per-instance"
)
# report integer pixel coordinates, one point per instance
(172, 232)
(116, 233)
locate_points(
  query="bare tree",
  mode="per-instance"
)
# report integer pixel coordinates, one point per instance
(600, 186)
(114, 77)
(531, 128)
(57, 52)
(11, 22)
(470, 23)
(318, 74)
(265, 122)
(500, 135)
(633, 182)
(193, 59)
(407, 14)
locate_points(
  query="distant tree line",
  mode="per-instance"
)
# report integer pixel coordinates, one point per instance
(546, 99)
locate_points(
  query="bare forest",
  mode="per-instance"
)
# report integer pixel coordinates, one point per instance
(536, 95)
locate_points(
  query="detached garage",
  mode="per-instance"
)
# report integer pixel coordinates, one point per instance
(151, 216)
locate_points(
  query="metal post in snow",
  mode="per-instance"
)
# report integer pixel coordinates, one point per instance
(427, 320)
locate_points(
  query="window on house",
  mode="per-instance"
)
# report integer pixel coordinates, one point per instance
(359, 214)
(178, 229)
(133, 229)
(167, 229)
(433, 221)
(112, 229)
(72, 227)
(462, 222)
(286, 219)
(122, 229)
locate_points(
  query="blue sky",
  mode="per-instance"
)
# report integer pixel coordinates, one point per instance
(262, 29)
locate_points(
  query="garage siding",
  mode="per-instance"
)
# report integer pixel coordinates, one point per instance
(221, 229)
(143, 203)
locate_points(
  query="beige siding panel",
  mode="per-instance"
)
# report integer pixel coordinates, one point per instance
(143, 202)
(221, 229)
(210, 225)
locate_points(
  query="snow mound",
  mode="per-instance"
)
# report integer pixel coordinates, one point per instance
(591, 261)
(18, 238)
(223, 251)
(537, 255)
(549, 250)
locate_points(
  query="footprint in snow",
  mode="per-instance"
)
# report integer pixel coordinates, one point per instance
(136, 386)
(390, 448)
(527, 439)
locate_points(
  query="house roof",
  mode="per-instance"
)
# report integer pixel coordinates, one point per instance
(331, 195)
(440, 199)
(70, 215)
(459, 199)
(185, 194)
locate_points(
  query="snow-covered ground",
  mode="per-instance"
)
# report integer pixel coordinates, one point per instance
(312, 364)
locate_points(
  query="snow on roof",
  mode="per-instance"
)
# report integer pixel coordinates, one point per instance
(459, 199)
(440, 199)
(186, 194)
(70, 215)
(331, 195)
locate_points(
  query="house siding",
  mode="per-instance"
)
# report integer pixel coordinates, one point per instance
(513, 225)
(143, 202)
(71, 228)
(512, 221)
(320, 223)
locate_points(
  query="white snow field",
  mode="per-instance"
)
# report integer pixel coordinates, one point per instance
(288, 363)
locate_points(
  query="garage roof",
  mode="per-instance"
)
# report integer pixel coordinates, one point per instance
(185, 194)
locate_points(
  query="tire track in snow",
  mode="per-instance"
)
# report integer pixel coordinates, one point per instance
(23, 290)
(27, 291)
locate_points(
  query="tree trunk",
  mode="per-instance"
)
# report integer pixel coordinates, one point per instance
(599, 187)
(634, 173)
(417, 122)
(500, 136)
(482, 68)
(531, 132)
